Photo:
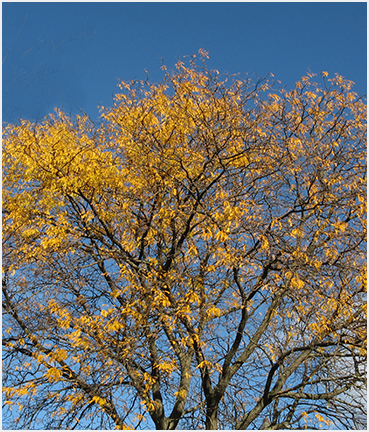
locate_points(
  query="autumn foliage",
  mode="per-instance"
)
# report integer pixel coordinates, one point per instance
(196, 260)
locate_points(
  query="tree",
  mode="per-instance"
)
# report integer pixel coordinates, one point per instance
(196, 260)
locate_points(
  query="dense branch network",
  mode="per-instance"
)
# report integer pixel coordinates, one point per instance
(195, 261)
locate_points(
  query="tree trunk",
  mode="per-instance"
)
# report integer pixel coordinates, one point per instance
(212, 416)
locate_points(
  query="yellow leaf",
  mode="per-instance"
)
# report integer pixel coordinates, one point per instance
(53, 374)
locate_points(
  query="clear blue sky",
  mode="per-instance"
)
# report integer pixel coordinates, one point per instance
(71, 55)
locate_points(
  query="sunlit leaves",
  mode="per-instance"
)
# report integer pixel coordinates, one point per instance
(204, 243)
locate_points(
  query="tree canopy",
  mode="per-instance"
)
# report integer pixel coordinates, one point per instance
(195, 261)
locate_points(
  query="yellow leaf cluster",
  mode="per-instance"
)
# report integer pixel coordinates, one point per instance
(198, 201)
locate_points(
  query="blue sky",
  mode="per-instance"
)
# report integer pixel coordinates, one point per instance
(71, 55)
